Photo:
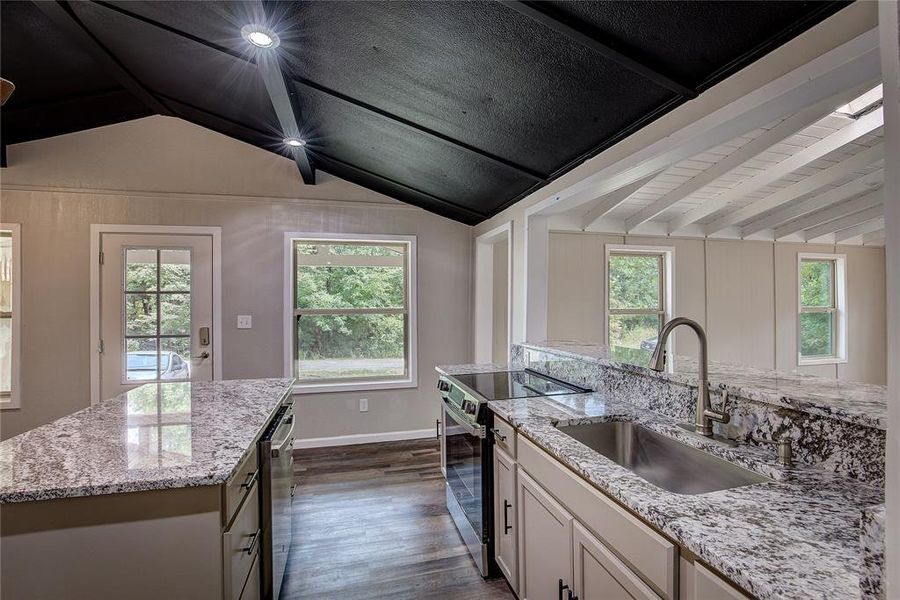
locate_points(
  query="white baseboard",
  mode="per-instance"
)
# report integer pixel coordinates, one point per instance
(364, 438)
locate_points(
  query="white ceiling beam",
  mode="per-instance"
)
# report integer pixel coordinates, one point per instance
(783, 130)
(844, 222)
(852, 67)
(860, 230)
(801, 188)
(863, 126)
(875, 238)
(837, 211)
(798, 209)
(606, 204)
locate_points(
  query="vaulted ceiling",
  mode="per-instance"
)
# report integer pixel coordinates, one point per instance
(461, 108)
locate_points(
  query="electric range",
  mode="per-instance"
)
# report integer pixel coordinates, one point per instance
(467, 439)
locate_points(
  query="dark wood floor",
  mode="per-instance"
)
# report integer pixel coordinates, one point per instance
(370, 521)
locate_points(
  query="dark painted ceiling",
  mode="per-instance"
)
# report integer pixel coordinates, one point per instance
(461, 108)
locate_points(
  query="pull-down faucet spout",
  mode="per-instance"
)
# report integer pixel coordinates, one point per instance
(705, 415)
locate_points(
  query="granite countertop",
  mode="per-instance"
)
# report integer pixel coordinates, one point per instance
(156, 436)
(795, 537)
(859, 403)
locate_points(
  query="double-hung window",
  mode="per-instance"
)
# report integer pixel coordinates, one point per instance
(638, 295)
(352, 312)
(822, 324)
(10, 336)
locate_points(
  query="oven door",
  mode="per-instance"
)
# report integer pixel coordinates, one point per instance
(463, 455)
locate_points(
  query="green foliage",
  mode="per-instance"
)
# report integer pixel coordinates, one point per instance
(338, 287)
(816, 328)
(634, 281)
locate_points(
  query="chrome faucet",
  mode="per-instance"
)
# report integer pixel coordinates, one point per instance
(705, 415)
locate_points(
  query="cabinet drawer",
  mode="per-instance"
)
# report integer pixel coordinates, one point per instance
(240, 544)
(251, 587)
(244, 481)
(648, 553)
(505, 436)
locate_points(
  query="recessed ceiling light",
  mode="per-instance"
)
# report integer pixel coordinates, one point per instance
(864, 104)
(294, 142)
(259, 36)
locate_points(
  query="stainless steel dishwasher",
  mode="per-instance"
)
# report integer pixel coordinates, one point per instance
(276, 492)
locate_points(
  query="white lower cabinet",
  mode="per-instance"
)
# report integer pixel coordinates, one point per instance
(545, 543)
(600, 575)
(506, 526)
(700, 583)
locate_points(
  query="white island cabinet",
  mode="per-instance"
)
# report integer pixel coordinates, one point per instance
(152, 494)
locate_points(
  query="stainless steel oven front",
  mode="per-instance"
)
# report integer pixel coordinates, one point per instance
(467, 457)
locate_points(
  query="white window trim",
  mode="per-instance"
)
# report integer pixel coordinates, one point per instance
(288, 299)
(14, 400)
(840, 304)
(97, 230)
(668, 254)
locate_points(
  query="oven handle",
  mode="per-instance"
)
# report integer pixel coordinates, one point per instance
(463, 420)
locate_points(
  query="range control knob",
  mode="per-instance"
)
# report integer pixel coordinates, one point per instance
(443, 385)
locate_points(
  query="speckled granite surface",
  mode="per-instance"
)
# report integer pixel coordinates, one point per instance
(871, 541)
(156, 436)
(795, 537)
(849, 442)
(859, 403)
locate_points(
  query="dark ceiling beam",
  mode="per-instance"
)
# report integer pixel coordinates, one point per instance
(581, 35)
(530, 173)
(226, 123)
(287, 109)
(68, 22)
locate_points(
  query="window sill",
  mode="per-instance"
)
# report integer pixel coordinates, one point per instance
(323, 388)
(825, 360)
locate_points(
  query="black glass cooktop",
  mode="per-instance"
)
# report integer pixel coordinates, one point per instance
(515, 384)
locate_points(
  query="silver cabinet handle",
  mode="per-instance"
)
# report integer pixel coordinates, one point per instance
(253, 539)
(251, 479)
(437, 428)
(498, 435)
(293, 489)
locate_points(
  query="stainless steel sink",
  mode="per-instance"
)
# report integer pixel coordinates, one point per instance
(661, 460)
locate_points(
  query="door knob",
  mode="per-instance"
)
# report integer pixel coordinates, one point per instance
(203, 356)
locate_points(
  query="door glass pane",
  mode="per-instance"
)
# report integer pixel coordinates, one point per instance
(634, 331)
(175, 356)
(175, 314)
(140, 269)
(816, 282)
(350, 346)
(817, 334)
(140, 314)
(634, 281)
(175, 270)
(5, 354)
(140, 359)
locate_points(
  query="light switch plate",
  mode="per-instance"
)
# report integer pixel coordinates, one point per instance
(363, 405)
(245, 321)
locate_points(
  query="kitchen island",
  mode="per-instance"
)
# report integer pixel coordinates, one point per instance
(795, 536)
(149, 494)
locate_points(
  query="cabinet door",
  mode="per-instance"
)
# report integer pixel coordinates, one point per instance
(600, 575)
(545, 542)
(703, 584)
(506, 527)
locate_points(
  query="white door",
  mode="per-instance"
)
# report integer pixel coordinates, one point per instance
(600, 575)
(545, 544)
(156, 295)
(505, 526)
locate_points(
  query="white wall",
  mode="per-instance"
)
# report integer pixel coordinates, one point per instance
(500, 300)
(744, 293)
(169, 172)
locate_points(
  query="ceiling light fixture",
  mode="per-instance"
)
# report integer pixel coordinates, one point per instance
(864, 104)
(294, 142)
(259, 36)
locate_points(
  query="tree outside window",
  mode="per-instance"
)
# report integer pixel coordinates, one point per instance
(636, 299)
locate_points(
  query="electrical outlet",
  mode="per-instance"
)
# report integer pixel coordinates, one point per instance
(363, 405)
(245, 321)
